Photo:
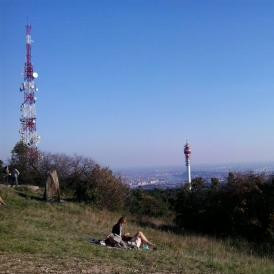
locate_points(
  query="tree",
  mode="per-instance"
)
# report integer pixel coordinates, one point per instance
(198, 184)
(244, 206)
(1, 169)
(26, 161)
(101, 188)
(19, 154)
(215, 183)
(150, 203)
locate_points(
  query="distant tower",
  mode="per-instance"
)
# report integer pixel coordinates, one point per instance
(28, 113)
(187, 152)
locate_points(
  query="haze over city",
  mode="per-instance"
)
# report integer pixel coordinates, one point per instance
(126, 82)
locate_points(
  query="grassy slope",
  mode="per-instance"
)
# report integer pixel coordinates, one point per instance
(37, 237)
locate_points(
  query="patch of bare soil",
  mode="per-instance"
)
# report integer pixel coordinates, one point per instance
(31, 264)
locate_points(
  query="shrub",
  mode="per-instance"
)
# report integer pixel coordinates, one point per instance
(78, 175)
(244, 206)
(86, 180)
(103, 189)
(1, 171)
(150, 203)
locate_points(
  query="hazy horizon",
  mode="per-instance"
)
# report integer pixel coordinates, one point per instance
(204, 166)
(127, 82)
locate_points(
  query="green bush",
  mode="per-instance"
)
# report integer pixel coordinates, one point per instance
(103, 189)
(79, 176)
(150, 203)
(244, 206)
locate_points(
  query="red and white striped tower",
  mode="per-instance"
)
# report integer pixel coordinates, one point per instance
(187, 152)
(27, 131)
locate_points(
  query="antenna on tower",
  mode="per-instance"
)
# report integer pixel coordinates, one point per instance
(28, 118)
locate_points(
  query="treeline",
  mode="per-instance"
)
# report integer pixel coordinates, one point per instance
(80, 178)
(242, 206)
(153, 203)
(84, 180)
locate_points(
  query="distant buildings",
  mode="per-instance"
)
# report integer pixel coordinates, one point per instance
(175, 177)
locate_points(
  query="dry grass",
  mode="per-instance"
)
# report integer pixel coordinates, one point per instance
(37, 237)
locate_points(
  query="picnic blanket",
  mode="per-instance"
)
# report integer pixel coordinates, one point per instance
(119, 245)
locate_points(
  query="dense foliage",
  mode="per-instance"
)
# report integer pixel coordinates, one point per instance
(243, 206)
(79, 176)
(101, 188)
(29, 174)
(1, 170)
(154, 203)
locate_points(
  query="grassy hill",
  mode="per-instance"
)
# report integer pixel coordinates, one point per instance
(39, 237)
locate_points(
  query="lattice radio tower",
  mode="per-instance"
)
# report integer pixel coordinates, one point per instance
(28, 118)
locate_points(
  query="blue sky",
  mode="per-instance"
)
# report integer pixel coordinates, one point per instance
(126, 82)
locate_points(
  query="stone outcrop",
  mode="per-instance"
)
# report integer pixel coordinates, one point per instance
(52, 188)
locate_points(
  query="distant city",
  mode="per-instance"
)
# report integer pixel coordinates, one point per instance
(174, 177)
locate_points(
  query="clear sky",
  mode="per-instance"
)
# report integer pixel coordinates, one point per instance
(126, 82)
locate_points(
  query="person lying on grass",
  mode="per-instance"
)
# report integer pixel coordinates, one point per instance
(137, 240)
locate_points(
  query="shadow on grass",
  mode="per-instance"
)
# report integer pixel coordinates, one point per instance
(163, 227)
(30, 196)
(41, 198)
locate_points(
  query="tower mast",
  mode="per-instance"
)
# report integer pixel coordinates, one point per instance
(187, 152)
(28, 118)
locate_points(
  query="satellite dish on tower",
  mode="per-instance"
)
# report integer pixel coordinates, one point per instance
(35, 74)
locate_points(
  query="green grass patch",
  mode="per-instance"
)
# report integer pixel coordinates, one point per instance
(55, 236)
